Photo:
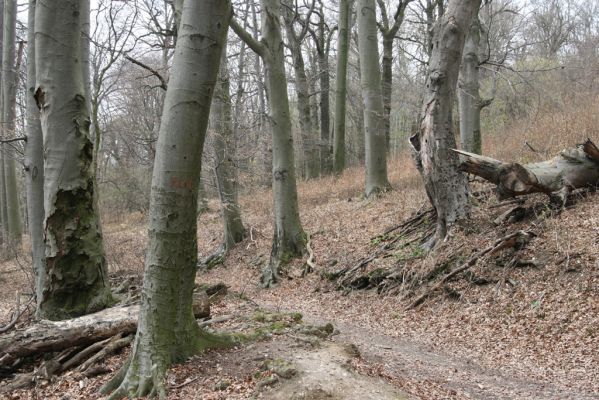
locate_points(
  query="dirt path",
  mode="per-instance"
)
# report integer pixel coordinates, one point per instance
(429, 373)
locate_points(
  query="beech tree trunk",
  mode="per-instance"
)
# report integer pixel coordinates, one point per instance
(325, 96)
(446, 186)
(34, 163)
(374, 122)
(341, 87)
(77, 281)
(572, 169)
(9, 102)
(224, 149)
(468, 92)
(167, 330)
(289, 238)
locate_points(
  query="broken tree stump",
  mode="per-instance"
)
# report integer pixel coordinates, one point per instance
(571, 169)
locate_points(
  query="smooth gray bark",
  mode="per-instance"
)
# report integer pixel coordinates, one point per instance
(3, 210)
(322, 48)
(77, 279)
(470, 103)
(34, 163)
(9, 102)
(389, 31)
(167, 331)
(446, 186)
(308, 134)
(224, 151)
(341, 87)
(374, 122)
(289, 238)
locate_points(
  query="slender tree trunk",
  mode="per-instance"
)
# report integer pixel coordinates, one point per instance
(341, 87)
(167, 330)
(3, 210)
(387, 84)
(447, 188)
(224, 149)
(468, 92)
(289, 239)
(310, 148)
(9, 93)
(77, 281)
(325, 98)
(34, 164)
(376, 149)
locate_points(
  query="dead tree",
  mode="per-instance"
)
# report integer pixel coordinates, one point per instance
(571, 169)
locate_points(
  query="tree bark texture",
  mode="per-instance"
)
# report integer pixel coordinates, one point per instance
(34, 164)
(167, 331)
(341, 87)
(446, 186)
(9, 103)
(374, 123)
(468, 92)
(77, 281)
(571, 169)
(224, 149)
(325, 96)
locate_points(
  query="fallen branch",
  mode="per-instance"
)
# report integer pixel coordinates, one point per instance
(519, 238)
(310, 266)
(15, 316)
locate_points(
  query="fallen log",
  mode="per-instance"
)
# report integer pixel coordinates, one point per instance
(571, 169)
(52, 336)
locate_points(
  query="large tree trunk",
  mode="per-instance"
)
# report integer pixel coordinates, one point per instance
(9, 94)
(224, 149)
(341, 87)
(167, 330)
(468, 92)
(446, 186)
(77, 281)
(34, 164)
(374, 122)
(3, 210)
(571, 169)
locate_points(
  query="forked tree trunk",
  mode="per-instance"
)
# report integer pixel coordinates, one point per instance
(77, 281)
(446, 186)
(9, 103)
(571, 169)
(167, 331)
(341, 87)
(468, 92)
(34, 164)
(374, 122)
(289, 239)
(224, 149)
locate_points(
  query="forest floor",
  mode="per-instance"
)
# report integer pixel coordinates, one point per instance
(503, 330)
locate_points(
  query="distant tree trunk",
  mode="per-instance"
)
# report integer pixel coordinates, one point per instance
(468, 92)
(34, 164)
(9, 93)
(167, 330)
(325, 96)
(310, 148)
(77, 280)
(374, 124)
(224, 149)
(341, 87)
(389, 31)
(447, 188)
(289, 238)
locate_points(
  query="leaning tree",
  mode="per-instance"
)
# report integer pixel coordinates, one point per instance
(167, 330)
(446, 186)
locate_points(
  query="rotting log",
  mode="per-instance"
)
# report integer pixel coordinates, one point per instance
(571, 169)
(51, 336)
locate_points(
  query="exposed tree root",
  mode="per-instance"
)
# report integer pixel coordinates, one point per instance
(519, 238)
(310, 265)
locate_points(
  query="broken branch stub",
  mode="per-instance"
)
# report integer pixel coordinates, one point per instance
(572, 168)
